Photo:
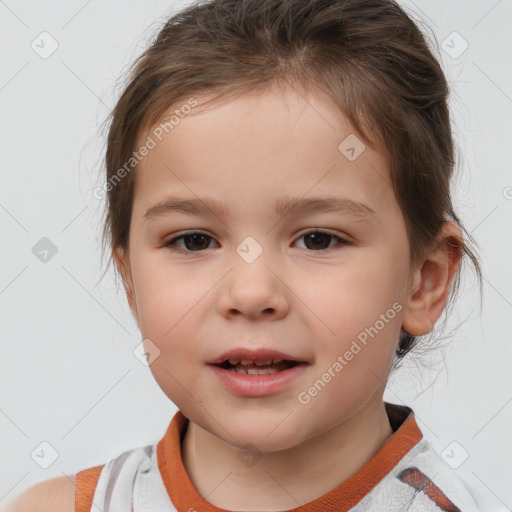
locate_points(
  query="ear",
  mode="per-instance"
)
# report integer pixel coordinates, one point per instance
(431, 283)
(122, 261)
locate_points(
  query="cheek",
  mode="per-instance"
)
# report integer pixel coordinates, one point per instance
(358, 321)
(168, 321)
(166, 299)
(353, 296)
(177, 368)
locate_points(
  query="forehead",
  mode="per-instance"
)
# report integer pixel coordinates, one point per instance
(259, 147)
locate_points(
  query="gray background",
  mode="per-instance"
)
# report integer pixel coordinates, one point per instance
(68, 375)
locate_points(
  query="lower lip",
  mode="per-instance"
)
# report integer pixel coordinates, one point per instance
(257, 385)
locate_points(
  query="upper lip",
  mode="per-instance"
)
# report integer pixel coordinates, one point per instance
(261, 354)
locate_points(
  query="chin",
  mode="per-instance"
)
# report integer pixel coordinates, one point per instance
(254, 441)
(266, 436)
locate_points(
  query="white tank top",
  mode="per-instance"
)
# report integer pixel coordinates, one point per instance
(131, 482)
(406, 474)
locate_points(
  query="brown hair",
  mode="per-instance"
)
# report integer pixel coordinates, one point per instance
(367, 55)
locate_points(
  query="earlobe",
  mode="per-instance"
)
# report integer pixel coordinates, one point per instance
(432, 282)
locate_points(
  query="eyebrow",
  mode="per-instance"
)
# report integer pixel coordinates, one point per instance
(283, 206)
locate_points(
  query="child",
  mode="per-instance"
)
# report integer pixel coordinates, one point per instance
(260, 128)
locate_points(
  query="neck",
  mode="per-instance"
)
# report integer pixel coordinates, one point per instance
(284, 479)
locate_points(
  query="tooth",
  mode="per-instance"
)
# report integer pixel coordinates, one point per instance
(269, 370)
(263, 363)
(274, 361)
(254, 371)
(234, 362)
(246, 361)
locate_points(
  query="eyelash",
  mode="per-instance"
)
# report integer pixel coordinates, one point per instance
(170, 243)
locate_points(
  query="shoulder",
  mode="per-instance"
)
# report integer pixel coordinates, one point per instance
(425, 470)
(48, 496)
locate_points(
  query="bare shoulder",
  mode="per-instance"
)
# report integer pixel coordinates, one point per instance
(47, 496)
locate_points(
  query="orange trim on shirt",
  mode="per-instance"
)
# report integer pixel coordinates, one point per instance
(86, 482)
(348, 494)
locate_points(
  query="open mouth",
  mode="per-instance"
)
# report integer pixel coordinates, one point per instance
(257, 367)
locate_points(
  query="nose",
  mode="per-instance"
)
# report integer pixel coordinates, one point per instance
(254, 290)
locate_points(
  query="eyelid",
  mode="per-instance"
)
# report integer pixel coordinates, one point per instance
(182, 234)
(343, 240)
(321, 230)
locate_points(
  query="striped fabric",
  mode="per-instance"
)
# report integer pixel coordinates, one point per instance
(406, 474)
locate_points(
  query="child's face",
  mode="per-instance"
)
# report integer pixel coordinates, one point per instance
(308, 297)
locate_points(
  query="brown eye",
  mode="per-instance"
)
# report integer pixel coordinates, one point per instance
(197, 242)
(320, 240)
(193, 242)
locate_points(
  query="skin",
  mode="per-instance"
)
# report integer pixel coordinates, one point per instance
(298, 297)
(56, 494)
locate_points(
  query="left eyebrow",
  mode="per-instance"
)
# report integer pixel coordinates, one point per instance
(283, 206)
